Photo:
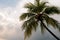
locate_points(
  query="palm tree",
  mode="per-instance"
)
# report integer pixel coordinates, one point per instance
(38, 13)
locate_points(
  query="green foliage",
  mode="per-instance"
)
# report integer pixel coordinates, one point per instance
(29, 25)
(52, 22)
(29, 6)
(35, 7)
(37, 2)
(35, 15)
(52, 10)
(24, 15)
(42, 28)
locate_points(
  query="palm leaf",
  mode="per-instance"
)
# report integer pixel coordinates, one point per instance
(52, 10)
(37, 2)
(42, 28)
(58, 26)
(29, 6)
(34, 8)
(24, 15)
(51, 21)
(29, 28)
(39, 8)
(29, 25)
(29, 21)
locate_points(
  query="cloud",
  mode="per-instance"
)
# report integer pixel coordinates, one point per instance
(10, 26)
(55, 2)
(10, 30)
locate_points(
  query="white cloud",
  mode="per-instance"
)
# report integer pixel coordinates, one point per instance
(10, 26)
(55, 2)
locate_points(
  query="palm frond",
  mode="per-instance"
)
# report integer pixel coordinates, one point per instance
(42, 28)
(29, 28)
(43, 3)
(37, 2)
(24, 15)
(29, 25)
(29, 6)
(34, 8)
(58, 26)
(52, 10)
(28, 31)
(40, 7)
(51, 21)
(29, 21)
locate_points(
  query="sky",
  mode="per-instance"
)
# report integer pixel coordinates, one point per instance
(10, 24)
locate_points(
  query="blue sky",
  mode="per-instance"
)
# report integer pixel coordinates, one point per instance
(10, 25)
(8, 2)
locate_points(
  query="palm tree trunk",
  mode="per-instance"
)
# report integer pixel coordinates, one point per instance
(50, 31)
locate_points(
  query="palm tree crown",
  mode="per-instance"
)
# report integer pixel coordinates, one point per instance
(38, 13)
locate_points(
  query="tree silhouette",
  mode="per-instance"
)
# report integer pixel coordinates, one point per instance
(38, 13)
